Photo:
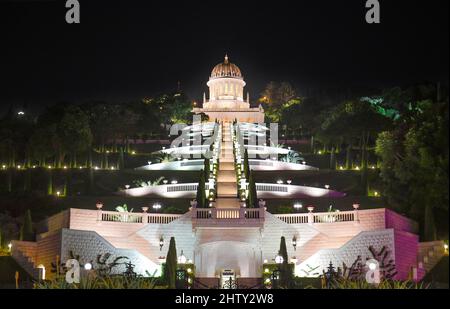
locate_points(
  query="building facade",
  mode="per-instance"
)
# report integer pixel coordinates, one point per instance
(226, 96)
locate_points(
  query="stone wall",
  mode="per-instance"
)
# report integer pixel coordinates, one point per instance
(88, 245)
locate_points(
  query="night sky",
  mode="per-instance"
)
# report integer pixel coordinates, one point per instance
(124, 50)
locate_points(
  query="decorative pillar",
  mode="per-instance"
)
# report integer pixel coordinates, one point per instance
(144, 215)
(356, 213)
(99, 206)
(310, 215)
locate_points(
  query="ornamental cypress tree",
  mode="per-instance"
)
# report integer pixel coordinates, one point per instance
(252, 200)
(246, 165)
(50, 182)
(26, 232)
(285, 272)
(171, 264)
(201, 195)
(121, 159)
(207, 168)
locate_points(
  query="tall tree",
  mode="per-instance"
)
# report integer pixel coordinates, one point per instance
(201, 193)
(26, 232)
(171, 264)
(285, 271)
(414, 162)
(207, 168)
(246, 165)
(252, 200)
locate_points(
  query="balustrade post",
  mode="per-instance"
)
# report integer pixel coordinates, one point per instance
(310, 215)
(356, 213)
(99, 206)
(144, 215)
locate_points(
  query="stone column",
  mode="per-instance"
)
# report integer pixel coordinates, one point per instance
(310, 215)
(356, 213)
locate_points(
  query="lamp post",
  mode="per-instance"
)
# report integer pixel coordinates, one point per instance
(294, 242)
(182, 259)
(161, 242)
(298, 206)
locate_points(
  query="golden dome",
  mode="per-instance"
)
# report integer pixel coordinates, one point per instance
(226, 69)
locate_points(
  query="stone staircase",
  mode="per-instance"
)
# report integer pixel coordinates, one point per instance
(226, 177)
(27, 264)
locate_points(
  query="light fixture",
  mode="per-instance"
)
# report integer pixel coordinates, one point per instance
(10, 246)
(88, 266)
(149, 162)
(127, 187)
(156, 206)
(294, 243)
(327, 187)
(294, 260)
(280, 182)
(99, 205)
(161, 243)
(279, 259)
(165, 181)
(288, 181)
(174, 182)
(298, 206)
(58, 193)
(182, 258)
(265, 261)
(372, 266)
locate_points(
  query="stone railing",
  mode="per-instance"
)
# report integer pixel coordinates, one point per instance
(227, 218)
(130, 217)
(228, 213)
(323, 217)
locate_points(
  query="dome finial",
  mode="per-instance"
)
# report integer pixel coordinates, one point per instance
(226, 58)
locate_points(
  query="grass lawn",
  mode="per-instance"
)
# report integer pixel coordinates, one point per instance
(343, 181)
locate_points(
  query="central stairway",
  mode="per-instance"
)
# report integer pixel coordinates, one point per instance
(226, 176)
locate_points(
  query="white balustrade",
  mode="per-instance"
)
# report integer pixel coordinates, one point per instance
(129, 217)
(325, 217)
(228, 213)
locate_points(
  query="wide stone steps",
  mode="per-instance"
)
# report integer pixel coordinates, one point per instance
(226, 189)
(226, 176)
(226, 166)
(227, 203)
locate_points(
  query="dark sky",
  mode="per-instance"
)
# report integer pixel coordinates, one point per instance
(124, 50)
